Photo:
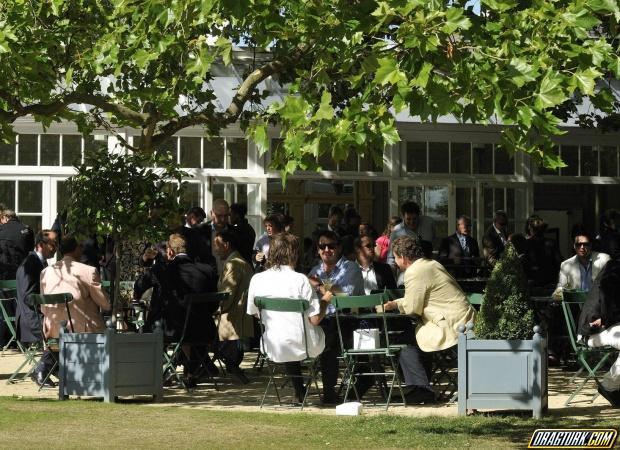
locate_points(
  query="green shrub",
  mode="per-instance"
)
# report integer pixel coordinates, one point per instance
(506, 311)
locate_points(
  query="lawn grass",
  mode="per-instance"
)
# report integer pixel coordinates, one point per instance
(35, 423)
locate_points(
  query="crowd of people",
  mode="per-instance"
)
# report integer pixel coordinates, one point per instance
(222, 253)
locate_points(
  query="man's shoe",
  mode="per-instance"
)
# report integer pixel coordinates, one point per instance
(420, 396)
(612, 397)
(331, 398)
(39, 379)
(189, 384)
(238, 376)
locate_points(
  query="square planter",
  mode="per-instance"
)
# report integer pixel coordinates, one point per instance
(502, 374)
(111, 364)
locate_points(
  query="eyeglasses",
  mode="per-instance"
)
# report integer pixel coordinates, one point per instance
(582, 244)
(331, 246)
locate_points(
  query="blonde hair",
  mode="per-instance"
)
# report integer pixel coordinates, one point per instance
(177, 243)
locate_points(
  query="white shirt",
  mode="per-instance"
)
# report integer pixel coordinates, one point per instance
(283, 339)
(370, 279)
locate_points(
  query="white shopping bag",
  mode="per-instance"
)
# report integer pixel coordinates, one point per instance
(366, 339)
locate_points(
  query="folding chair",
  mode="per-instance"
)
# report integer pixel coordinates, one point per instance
(7, 308)
(30, 353)
(291, 305)
(200, 348)
(572, 303)
(353, 357)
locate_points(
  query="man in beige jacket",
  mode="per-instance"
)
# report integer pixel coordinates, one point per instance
(435, 297)
(83, 282)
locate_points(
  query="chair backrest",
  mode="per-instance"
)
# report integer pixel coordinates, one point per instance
(53, 299)
(574, 295)
(8, 284)
(7, 298)
(282, 304)
(358, 301)
(475, 298)
(391, 294)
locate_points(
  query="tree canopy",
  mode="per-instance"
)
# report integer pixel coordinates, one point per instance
(348, 67)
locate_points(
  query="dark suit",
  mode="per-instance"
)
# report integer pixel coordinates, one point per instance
(198, 241)
(171, 282)
(28, 282)
(384, 275)
(493, 247)
(451, 249)
(246, 235)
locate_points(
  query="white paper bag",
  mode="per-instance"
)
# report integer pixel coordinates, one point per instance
(349, 409)
(366, 339)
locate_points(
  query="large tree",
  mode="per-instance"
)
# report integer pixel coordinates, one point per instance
(349, 66)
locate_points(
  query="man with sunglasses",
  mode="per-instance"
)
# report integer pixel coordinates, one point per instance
(334, 274)
(582, 269)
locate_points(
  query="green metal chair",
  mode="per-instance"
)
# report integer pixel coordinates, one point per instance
(475, 298)
(173, 349)
(8, 284)
(32, 351)
(7, 306)
(292, 305)
(590, 359)
(354, 357)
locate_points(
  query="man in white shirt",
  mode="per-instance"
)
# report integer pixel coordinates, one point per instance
(376, 275)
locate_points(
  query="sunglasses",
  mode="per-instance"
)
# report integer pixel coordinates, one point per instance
(582, 244)
(330, 246)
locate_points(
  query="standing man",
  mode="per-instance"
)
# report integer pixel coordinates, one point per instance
(16, 240)
(83, 282)
(376, 275)
(220, 221)
(459, 248)
(495, 238)
(580, 271)
(415, 225)
(28, 282)
(342, 277)
(434, 295)
(243, 229)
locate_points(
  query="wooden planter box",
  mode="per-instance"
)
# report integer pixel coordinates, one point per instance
(496, 374)
(111, 364)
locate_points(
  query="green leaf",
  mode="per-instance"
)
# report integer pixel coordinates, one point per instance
(520, 72)
(389, 133)
(604, 6)
(455, 20)
(585, 80)
(260, 138)
(421, 79)
(225, 47)
(388, 72)
(550, 92)
(525, 114)
(325, 110)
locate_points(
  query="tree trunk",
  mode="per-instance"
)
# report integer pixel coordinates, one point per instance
(117, 278)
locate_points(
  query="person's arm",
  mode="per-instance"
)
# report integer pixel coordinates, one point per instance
(251, 308)
(415, 294)
(96, 292)
(229, 281)
(315, 316)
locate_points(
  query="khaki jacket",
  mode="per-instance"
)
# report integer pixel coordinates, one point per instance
(234, 322)
(434, 295)
(84, 283)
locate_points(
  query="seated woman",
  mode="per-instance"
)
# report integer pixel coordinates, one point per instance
(283, 339)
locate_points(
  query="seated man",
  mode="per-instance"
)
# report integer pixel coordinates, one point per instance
(376, 275)
(432, 294)
(171, 281)
(459, 249)
(89, 299)
(334, 275)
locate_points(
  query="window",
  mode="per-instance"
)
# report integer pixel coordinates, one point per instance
(504, 162)
(71, 150)
(27, 146)
(92, 144)
(29, 204)
(7, 193)
(483, 158)
(570, 155)
(416, 157)
(460, 157)
(438, 157)
(214, 153)
(237, 152)
(7, 154)
(609, 161)
(588, 161)
(50, 149)
(189, 152)
(191, 195)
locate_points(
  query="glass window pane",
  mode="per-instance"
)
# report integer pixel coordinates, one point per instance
(411, 193)
(190, 152)
(461, 157)
(543, 170)
(589, 162)
(7, 154)
(191, 196)
(609, 161)
(214, 153)
(438, 157)
(50, 149)
(7, 193)
(92, 143)
(238, 150)
(368, 164)
(570, 156)
(416, 156)
(504, 162)
(483, 158)
(466, 204)
(217, 191)
(242, 193)
(27, 146)
(29, 196)
(71, 150)
(510, 204)
(34, 222)
(436, 206)
(489, 207)
(349, 164)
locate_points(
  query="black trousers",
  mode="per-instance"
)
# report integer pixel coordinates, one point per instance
(415, 364)
(329, 357)
(231, 352)
(46, 363)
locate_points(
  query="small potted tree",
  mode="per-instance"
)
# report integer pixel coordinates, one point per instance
(502, 362)
(130, 196)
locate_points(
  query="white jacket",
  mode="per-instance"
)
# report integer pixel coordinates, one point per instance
(570, 275)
